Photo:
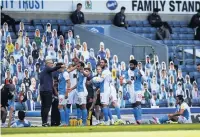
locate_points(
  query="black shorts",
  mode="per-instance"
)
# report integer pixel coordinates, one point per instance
(98, 101)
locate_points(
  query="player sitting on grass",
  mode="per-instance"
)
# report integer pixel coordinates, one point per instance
(21, 122)
(182, 115)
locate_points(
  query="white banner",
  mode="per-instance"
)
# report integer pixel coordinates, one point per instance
(105, 6)
(37, 5)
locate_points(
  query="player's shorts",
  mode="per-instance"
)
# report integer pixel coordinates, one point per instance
(105, 97)
(11, 104)
(81, 97)
(183, 120)
(62, 100)
(113, 94)
(71, 97)
(136, 96)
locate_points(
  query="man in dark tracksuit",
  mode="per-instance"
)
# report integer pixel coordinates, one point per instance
(77, 16)
(120, 18)
(155, 19)
(46, 89)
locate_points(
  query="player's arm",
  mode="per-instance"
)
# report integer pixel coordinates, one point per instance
(180, 112)
(74, 87)
(68, 87)
(71, 69)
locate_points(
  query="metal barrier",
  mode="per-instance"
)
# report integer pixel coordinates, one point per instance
(183, 53)
(151, 54)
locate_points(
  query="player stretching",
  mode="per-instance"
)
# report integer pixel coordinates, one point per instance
(81, 91)
(136, 75)
(182, 115)
(63, 85)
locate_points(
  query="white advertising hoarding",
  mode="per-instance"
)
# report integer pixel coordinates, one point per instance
(104, 6)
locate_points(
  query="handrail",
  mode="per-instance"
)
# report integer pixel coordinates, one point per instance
(183, 52)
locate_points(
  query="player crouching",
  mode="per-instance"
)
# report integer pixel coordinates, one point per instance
(182, 115)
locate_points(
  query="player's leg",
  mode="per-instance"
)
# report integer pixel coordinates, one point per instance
(97, 113)
(67, 113)
(82, 101)
(104, 97)
(11, 112)
(3, 116)
(61, 109)
(161, 120)
(137, 110)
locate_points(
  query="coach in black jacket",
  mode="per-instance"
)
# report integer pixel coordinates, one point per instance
(120, 18)
(77, 16)
(46, 89)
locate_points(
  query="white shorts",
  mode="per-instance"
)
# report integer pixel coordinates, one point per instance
(135, 96)
(113, 94)
(183, 120)
(71, 97)
(81, 98)
(62, 100)
(105, 97)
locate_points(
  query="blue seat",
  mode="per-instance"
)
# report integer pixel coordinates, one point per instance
(40, 27)
(65, 28)
(61, 22)
(160, 41)
(139, 23)
(190, 31)
(190, 36)
(183, 30)
(54, 27)
(191, 74)
(91, 22)
(13, 36)
(146, 23)
(146, 30)
(196, 42)
(191, 68)
(182, 42)
(189, 62)
(25, 21)
(37, 22)
(175, 42)
(69, 22)
(170, 23)
(31, 35)
(100, 22)
(168, 42)
(138, 30)
(45, 21)
(182, 67)
(176, 24)
(153, 30)
(184, 74)
(131, 23)
(190, 42)
(31, 28)
(183, 24)
(107, 21)
(196, 75)
(53, 21)
(183, 36)
(176, 30)
(195, 102)
(175, 36)
(130, 29)
(163, 103)
(152, 36)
